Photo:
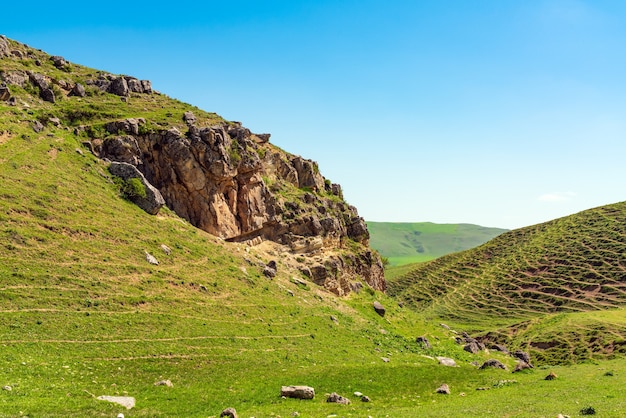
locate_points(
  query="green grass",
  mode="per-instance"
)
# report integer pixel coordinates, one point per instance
(406, 243)
(83, 314)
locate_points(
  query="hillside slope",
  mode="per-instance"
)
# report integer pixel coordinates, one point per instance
(404, 243)
(571, 264)
(216, 174)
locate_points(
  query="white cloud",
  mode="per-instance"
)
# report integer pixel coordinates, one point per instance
(557, 197)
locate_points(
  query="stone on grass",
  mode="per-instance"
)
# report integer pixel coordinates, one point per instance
(445, 361)
(379, 308)
(151, 259)
(229, 413)
(297, 392)
(551, 376)
(167, 383)
(494, 364)
(521, 365)
(7, 388)
(336, 398)
(443, 389)
(126, 401)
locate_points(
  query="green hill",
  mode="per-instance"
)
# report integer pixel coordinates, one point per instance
(525, 284)
(84, 314)
(405, 243)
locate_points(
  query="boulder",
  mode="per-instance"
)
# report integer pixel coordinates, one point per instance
(153, 201)
(336, 398)
(189, 118)
(58, 61)
(229, 413)
(423, 341)
(379, 308)
(270, 269)
(119, 87)
(297, 392)
(47, 95)
(521, 365)
(444, 389)
(78, 90)
(445, 361)
(522, 355)
(493, 363)
(471, 347)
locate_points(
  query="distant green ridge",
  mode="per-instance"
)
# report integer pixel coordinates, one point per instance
(405, 243)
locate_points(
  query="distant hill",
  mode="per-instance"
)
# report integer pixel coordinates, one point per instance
(405, 243)
(514, 284)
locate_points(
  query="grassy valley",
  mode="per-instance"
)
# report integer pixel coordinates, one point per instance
(406, 243)
(84, 314)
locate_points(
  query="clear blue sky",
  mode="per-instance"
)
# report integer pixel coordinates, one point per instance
(495, 112)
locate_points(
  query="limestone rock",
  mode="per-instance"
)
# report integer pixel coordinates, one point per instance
(78, 90)
(118, 86)
(166, 382)
(153, 200)
(446, 361)
(336, 398)
(126, 401)
(229, 413)
(379, 308)
(493, 364)
(298, 392)
(5, 51)
(444, 389)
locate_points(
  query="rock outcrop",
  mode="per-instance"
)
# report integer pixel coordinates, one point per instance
(231, 183)
(218, 175)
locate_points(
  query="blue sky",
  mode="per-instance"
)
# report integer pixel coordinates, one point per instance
(494, 112)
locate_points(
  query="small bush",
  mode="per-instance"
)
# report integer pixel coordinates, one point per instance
(132, 188)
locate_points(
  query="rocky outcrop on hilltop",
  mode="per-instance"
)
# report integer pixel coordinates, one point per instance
(218, 175)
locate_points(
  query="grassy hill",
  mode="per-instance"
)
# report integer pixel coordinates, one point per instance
(526, 284)
(83, 314)
(405, 243)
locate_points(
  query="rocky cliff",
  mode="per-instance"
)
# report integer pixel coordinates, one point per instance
(216, 174)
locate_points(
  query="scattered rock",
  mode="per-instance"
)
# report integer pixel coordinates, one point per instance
(151, 259)
(443, 389)
(589, 410)
(499, 347)
(423, 341)
(472, 347)
(336, 398)
(445, 361)
(365, 399)
(494, 364)
(167, 383)
(58, 61)
(78, 90)
(47, 95)
(167, 250)
(5, 93)
(521, 365)
(379, 308)
(119, 87)
(229, 412)
(189, 118)
(334, 319)
(37, 126)
(444, 326)
(270, 269)
(522, 355)
(126, 401)
(551, 376)
(7, 388)
(385, 359)
(120, 415)
(297, 392)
